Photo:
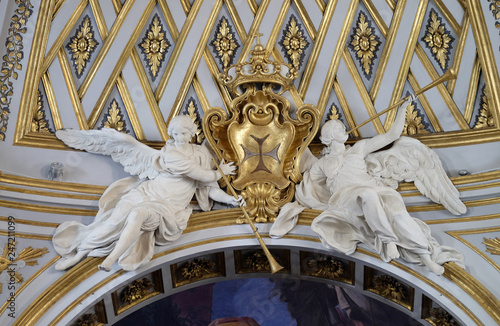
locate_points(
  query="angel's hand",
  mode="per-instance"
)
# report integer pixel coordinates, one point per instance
(237, 202)
(227, 168)
(408, 101)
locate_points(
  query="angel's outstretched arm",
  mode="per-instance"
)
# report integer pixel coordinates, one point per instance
(392, 134)
(210, 175)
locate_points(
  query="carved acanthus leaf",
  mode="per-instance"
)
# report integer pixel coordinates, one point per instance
(438, 39)
(82, 45)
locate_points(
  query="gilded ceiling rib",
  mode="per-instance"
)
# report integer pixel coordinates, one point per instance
(452, 106)
(103, 52)
(58, 4)
(321, 5)
(425, 104)
(30, 222)
(464, 219)
(54, 185)
(337, 54)
(195, 61)
(48, 193)
(405, 64)
(271, 40)
(306, 20)
(351, 66)
(391, 3)
(32, 78)
(58, 43)
(130, 108)
(459, 51)
(48, 209)
(149, 95)
(27, 235)
(473, 87)
(162, 85)
(198, 88)
(318, 44)
(443, 9)
(101, 102)
(390, 37)
(486, 56)
(345, 107)
(99, 19)
(85, 295)
(377, 18)
(73, 93)
(254, 29)
(51, 99)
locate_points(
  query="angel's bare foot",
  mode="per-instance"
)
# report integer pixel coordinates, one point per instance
(392, 250)
(106, 264)
(66, 263)
(434, 267)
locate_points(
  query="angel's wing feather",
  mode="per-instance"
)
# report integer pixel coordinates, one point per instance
(410, 160)
(137, 158)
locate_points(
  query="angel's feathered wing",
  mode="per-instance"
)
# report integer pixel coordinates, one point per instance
(137, 158)
(410, 160)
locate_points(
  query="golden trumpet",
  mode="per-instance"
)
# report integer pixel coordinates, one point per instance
(275, 266)
(449, 74)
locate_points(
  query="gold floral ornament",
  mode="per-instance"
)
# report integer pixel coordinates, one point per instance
(114, 118)
(82, 45)
(485, 118)
(191, 112)
(413, 122)
(137, 290)
(154, 46)
(294, 42)
(365, 43)
(197, 268)
(12, 59)
(39, 122)
(225, 44)
(440, 317)
(258, 262)
(438, 39)
(492, 245)
(87, 320)
(389, 287)
(495, 10)
(326, 267)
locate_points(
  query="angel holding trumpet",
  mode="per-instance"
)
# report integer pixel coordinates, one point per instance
(150, 207)
(355, 187)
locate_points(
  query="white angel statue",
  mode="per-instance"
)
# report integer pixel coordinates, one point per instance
(355, 187)
(151, 207)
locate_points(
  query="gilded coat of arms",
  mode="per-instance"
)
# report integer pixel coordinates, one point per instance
(259, 133)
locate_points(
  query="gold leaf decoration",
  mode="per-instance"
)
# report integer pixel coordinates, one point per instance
(137, 290)
(12, 59)
(82, 45)
(87, 320)
(225, 44)
(492, 245)
(364, 43)
(495, 10)
(334, 114)
(326, 267)
(191, 112)
(389, 287)
(440, 317)
(485, 118)
(197, 268)
(154, 46)
(114, 118)
(39, 122)
(258, 262)
(438, 39)
(413, 122)
(294, 42)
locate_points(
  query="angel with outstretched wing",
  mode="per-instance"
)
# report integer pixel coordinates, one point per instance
(355, 187)
(150, 207)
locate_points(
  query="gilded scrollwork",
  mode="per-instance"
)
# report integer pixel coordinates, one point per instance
(39, 122)
(438, 39)
(440, 317)
(326, 267)
(485, 117)
(388, 287)
(197, 268)
(154, 46)
(495, 10)
(191, 111)
(365, 43)
(137, 290)
(294, 43)
(82, 45)
(413, 122)
(492, 245)
(225, 43)
(12, 59)
(114, 118)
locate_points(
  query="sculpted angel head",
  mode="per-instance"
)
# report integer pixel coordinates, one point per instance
(181, 129)
(333, 131)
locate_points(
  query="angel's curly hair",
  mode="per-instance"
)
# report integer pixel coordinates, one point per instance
(182, 121)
